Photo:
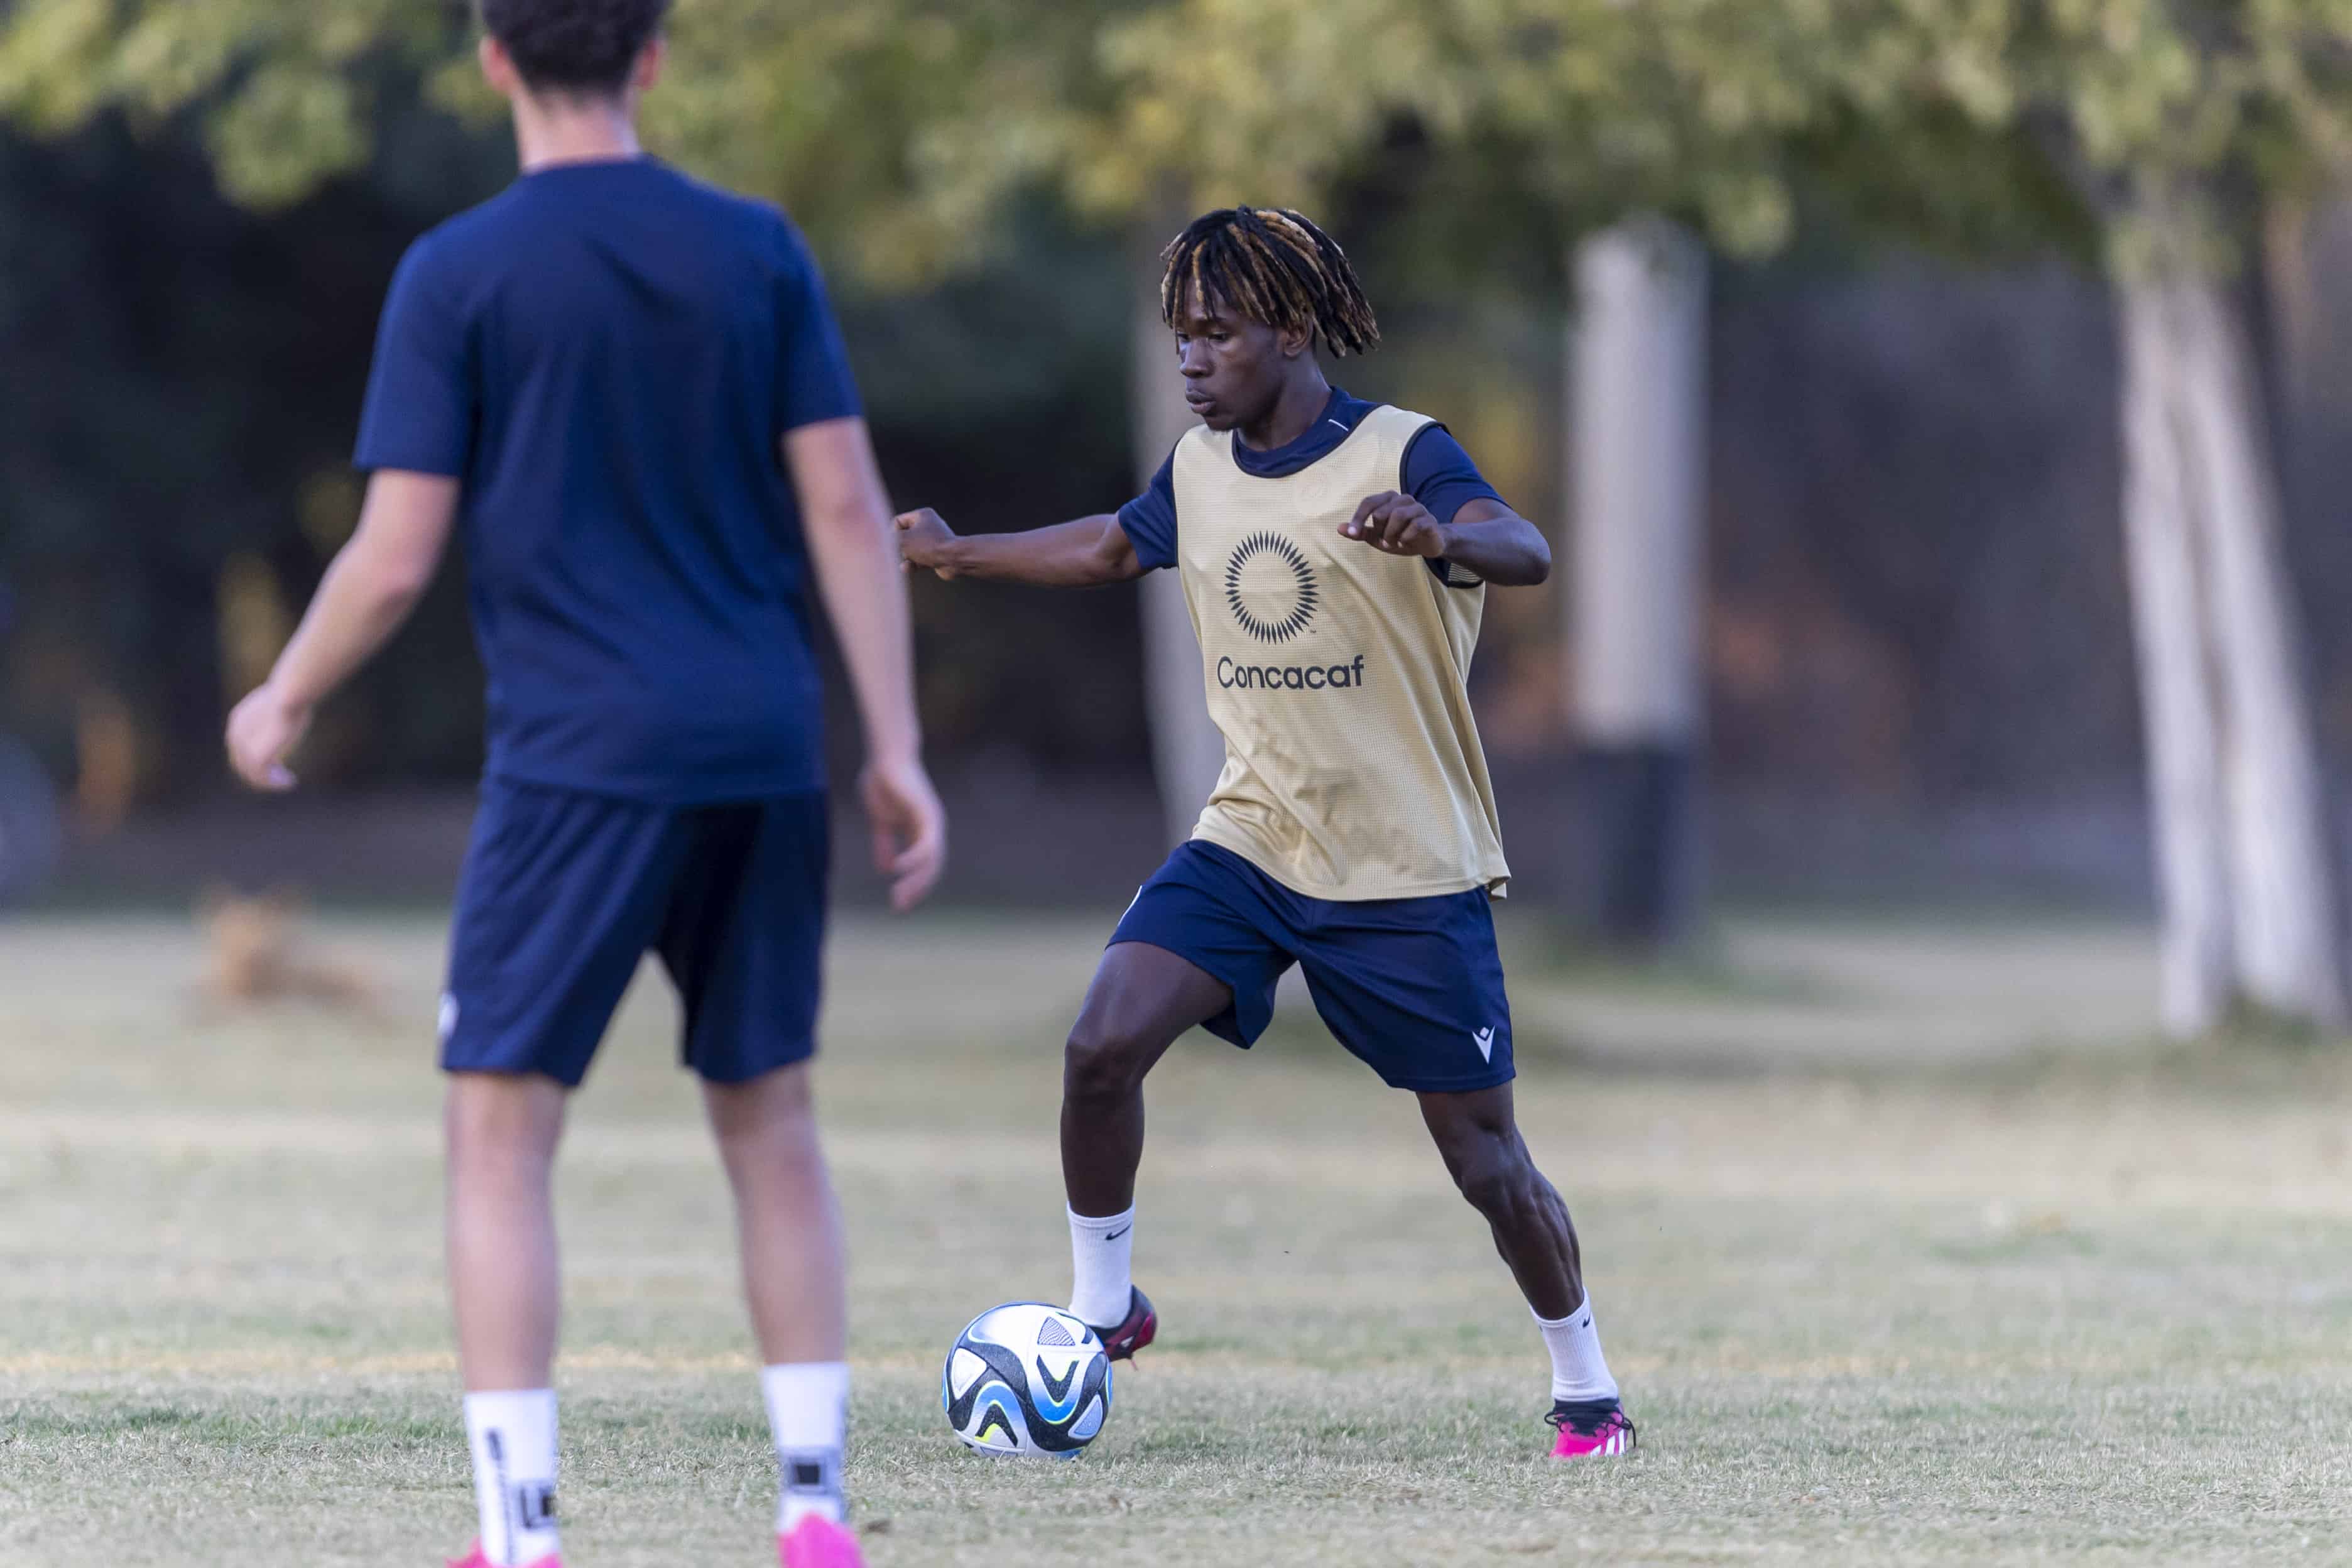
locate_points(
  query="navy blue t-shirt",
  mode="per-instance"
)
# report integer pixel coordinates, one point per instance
(1437, 473)
(608, 355)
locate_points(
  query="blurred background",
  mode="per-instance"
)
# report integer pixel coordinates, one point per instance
(1943, 422)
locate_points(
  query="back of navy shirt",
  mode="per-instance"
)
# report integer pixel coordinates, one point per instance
(606, 356)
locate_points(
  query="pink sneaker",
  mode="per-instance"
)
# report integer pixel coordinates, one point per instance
(1589, 1431)
(475, 1558)
(818, 1542)
(1138, 1329)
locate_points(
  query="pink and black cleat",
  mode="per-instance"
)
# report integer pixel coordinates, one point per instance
(1592, 1430)
(1137, 1330)
(478, 1558)
(818, 1542)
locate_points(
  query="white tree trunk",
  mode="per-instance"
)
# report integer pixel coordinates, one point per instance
(2242, 855)
(2176, 675)
(1187, 752)
(1638, 480)
(1638, 396)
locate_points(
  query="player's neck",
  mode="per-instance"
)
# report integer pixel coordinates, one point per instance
(550, 132)
(1292, 414)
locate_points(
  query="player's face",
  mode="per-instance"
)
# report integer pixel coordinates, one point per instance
(1234, 367)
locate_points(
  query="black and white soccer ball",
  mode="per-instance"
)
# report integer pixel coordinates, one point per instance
(1026, 1379)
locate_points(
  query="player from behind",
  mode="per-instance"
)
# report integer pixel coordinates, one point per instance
(1335, 556)
(625, 392)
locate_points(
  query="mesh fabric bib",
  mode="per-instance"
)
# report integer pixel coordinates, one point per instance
(1339, 675)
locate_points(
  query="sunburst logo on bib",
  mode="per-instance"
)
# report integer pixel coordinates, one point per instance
(1270, 588)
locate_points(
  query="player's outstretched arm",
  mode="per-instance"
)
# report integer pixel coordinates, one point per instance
(372, 583)
(1088, 553)
(847, 519)
(1485, 536)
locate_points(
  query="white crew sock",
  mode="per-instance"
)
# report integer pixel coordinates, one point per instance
(808, 1411)
(1578, 1372)
(1101, 1255)
(512, 1437)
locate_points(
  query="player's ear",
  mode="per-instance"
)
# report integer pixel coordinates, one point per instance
(1295, 340)
(498, 66)
(648, 68)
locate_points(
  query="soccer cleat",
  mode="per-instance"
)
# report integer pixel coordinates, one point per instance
(478, 1558)
(1139, 1327)
(1590, 1430)
(818, 1542)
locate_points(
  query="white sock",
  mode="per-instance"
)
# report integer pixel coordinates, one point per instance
(808, 1411)
(1101, 1253)
(513, 1436)
(1578, 1372)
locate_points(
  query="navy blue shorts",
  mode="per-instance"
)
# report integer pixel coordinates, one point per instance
(563, 892)
(1414, 987)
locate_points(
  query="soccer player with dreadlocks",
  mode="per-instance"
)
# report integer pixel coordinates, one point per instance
(1334, 554)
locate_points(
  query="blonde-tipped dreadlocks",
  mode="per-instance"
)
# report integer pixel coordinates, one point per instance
(1274, 267)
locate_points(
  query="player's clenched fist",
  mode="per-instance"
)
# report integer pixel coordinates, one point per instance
(1396, 524)
(924, 540)
(261, 731)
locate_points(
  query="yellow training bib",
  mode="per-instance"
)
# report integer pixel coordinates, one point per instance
(1339, 675)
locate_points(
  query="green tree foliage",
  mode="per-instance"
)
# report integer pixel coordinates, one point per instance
(1943, 119)
(284, 88)
(897, 128)
(846, 113)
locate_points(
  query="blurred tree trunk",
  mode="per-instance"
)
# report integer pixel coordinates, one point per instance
(2248, 903)
(1638, 400)
(2296, 311)
(1187, 752)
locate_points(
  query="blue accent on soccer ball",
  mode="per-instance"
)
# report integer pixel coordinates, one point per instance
(1006, 1403)
(1061, 1410)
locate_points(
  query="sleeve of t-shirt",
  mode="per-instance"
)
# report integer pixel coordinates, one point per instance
(421, 406)
(812, 362)
(1440, 475)
(1150, 519)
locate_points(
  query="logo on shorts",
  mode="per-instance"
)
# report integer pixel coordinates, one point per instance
(1485, 1040)
(1270, 588)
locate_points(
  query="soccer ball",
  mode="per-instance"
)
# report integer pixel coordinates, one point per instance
(1026, 1379)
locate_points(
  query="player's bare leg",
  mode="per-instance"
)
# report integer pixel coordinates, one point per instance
(1142, 998)
(502, 1129)
(1478, 1135)
(789, 1226)
(788, 1222)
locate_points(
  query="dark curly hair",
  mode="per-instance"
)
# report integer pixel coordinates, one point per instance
(585, 46)
(1274, 267)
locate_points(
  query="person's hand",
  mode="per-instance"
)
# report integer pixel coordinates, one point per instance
(262, 730)
(1395, 525)
(924, 540)
(909, 827)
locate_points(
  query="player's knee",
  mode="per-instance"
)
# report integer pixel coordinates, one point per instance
(501, 1118)
(775, 1106)
(1102, 1061)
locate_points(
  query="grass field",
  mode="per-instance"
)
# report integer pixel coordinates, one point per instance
(1905, 1243)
